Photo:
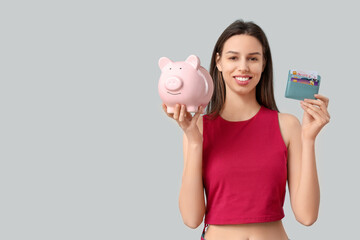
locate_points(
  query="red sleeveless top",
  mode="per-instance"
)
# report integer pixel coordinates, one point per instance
(244, 169)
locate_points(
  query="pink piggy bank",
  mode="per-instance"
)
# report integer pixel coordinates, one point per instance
(185, 83)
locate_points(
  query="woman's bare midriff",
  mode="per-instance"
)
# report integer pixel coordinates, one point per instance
(252, 231)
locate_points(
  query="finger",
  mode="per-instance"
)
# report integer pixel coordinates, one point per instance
(323, 98)
(197, 114)
(314, 108)
(320, 103)
(316, 113)
(311, 111)
(182, 113)
(188, 115)
(317, 102)
(164, 107)
(322, 120)
(176, 111)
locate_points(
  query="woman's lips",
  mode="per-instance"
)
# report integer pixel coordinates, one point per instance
(242, 80)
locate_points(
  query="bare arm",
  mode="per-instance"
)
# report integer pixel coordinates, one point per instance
(191, 198)
(303, 178)
(308, 191)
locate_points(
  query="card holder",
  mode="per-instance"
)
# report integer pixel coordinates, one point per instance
(300, 87)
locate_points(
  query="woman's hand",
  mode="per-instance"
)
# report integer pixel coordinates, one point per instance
(315, 117)
(186, 121)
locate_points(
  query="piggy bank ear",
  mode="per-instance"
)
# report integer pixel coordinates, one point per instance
(163, 62)
(193, 61)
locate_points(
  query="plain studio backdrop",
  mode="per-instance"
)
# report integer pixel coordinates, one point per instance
(86, 151)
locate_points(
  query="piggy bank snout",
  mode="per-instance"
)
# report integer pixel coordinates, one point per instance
(173, 83)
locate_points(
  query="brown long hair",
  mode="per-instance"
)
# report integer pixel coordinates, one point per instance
(264, 89)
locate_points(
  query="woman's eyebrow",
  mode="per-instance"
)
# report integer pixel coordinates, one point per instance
(234, 52)
(231, 52)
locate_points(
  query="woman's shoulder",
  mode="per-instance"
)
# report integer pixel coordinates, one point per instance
(288, 119)
(288, 125)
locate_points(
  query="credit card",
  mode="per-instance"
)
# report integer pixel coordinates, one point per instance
(307, 74)
(313, 82)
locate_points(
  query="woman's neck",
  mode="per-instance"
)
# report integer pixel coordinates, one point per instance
(240, 107)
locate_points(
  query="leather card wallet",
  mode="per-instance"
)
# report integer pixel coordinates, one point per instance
(300, 86)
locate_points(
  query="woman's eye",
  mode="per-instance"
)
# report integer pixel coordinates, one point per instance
(253, 59)
(233, 58)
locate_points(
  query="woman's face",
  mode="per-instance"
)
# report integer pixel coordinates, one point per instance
(241, 63)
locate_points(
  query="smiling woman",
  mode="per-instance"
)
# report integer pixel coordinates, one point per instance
(243, 151)
(255, 50)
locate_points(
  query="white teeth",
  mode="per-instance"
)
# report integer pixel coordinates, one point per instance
(242, 79)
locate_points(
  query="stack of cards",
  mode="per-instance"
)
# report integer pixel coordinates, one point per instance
(302, 84)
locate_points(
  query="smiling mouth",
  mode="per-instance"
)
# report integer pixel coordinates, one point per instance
(173, 93)
(243, 79)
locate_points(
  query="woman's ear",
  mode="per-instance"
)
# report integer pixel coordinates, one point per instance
(218, 65)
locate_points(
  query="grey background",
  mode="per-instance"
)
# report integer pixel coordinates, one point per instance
(86, 151)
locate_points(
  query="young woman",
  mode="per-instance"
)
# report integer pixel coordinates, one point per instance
(242, 151)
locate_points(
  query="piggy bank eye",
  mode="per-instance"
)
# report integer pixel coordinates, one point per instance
(170, 68)
(180, 68)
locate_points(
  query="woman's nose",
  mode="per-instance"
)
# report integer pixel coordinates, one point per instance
(243, 65)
